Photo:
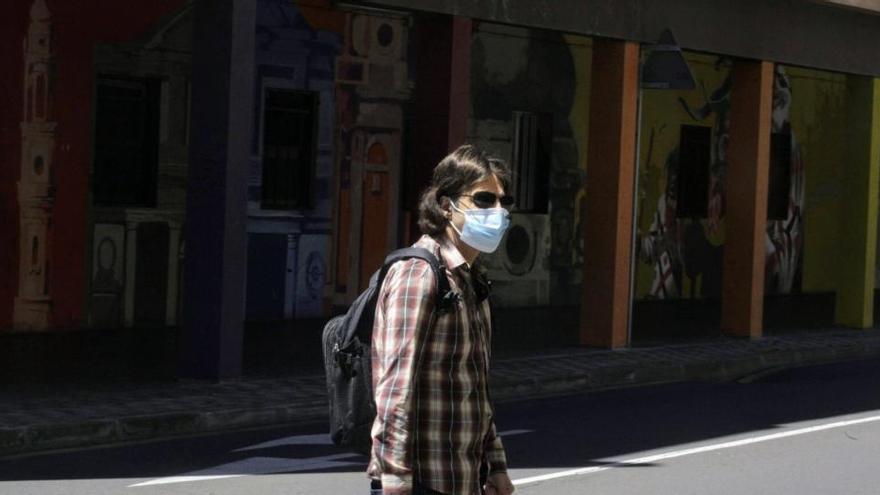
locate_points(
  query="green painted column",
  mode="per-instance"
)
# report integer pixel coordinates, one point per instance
(861, 172)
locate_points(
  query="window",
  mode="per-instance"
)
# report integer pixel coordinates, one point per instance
(532, 160)
(780, 176)
(290, 121)
(694, 157)
(126, 142)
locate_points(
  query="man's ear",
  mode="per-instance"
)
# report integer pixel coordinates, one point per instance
(446, 206)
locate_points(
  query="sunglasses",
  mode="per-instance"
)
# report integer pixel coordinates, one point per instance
(486, 199)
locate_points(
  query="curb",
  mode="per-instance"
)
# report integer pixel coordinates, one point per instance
(49, 437)
(626, 376)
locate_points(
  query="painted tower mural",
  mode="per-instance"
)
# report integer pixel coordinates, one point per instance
(35, 188)
(373, 89)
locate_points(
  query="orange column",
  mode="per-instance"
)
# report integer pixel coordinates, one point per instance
(742, 304)
(609, 193)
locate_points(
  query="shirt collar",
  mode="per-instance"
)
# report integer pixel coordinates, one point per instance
(452, 256)
(449, 254)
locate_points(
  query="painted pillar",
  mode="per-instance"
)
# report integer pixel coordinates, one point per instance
(459, 81)
(131, 229)
(748, 169)
(216, 203)
(609, 194)
(441, 101)
(173, 274)
(855, 292)
(36, 194)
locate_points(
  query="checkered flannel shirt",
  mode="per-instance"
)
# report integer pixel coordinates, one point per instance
(434, 421)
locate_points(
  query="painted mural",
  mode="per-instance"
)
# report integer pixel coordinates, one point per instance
(818, 118)
(518, 72)
(135, 226)
(681, 256)
(33, 301)
(289, 247)
(664, 241)
(373, 88)
(353, 69)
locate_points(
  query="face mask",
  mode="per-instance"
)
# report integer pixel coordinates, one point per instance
(483, 227)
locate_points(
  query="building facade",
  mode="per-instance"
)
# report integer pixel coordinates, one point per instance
(640, 211)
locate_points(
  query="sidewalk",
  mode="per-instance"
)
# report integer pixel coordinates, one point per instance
(46, 418)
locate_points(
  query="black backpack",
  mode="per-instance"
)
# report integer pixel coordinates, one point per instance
(346, 344)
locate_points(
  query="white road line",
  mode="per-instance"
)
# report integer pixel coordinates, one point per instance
(272, 465)
(318, 439)
(256, 465)
(697, 450)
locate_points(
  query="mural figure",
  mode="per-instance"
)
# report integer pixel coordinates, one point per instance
(662, 245)
(678, 247)
(784, 238)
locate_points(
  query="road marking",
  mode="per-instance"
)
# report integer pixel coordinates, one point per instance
(319, 439)
(511, 433)
(273, 465)
(697, 450)
(256, 465)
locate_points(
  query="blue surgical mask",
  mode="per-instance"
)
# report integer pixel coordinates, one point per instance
(483, 227)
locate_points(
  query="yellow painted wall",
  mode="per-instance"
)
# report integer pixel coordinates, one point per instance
(818, 120)
(579, 117)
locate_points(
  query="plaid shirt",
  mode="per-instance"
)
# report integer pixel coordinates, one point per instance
(434, 422)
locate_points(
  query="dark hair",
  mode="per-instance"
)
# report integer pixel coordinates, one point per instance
(462, 168)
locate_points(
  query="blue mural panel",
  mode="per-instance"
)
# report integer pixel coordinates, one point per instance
(267, 271)
(311, 275)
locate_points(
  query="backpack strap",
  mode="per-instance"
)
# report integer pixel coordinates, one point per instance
(445, 296)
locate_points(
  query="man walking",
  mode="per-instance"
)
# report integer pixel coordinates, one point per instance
(434, 431)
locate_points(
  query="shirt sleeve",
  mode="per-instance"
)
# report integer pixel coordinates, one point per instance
(495, 455)
(494, 448)
(404, 310)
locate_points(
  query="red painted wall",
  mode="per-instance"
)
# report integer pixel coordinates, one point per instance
(13, 24)
(77, 27)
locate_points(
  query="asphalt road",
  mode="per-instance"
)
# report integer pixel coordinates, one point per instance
(807, 431)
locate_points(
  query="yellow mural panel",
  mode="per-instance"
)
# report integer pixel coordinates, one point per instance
(681, 256)
(818, 120)
(660, 270)
(579, 118)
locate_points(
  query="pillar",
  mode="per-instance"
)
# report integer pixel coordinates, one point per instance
(609, 194)
(173, 273)
(131, 229)
(441, 101)
(858, 247)
(216, 203)
(748, 169)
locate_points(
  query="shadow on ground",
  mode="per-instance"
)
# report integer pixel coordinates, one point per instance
(569, 432)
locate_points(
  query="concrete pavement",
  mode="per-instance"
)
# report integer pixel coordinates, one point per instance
(48, 418)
